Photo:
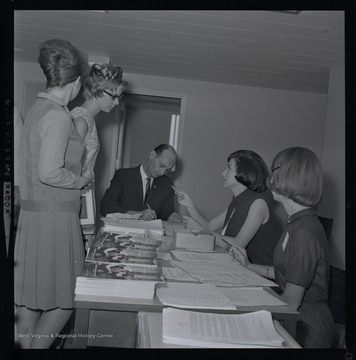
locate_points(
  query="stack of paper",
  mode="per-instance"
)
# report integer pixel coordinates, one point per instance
(199, 296)
(209, 330)
(115, 281)
(219, 269)
(132, 226)
(103, 281)
(123, 216)
(121, 264)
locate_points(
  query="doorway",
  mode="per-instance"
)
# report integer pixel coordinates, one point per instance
(147, 121)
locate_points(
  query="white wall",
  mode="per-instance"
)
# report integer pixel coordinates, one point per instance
(333, 163)
(25, 72)
(217, 119)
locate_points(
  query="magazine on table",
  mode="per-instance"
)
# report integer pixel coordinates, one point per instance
(124, 241)
(122, 271)
(124, 256)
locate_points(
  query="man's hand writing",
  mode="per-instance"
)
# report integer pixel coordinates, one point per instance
(148, 214)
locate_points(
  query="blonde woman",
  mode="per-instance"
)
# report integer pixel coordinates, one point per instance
(301, 257)
(102, 92)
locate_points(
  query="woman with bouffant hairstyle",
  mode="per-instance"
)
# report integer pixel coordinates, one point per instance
(301, 257)
(102, 92)
(49, 252)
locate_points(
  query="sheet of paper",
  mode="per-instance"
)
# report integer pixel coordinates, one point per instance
(164, 256)
(201, 256)
(199, 296)
(251, 297)
(228, 273)
(173, 273)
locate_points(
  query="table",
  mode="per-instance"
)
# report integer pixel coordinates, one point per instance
(95, 317)
(113, 323)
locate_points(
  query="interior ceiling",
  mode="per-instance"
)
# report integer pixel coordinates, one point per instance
(273, 49)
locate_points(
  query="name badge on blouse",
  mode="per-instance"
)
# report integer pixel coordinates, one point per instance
(285, 241)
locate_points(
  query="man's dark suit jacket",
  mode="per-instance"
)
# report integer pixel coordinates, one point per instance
(126, 193)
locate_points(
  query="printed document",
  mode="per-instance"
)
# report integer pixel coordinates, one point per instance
(253, 296)
(223, 273)
(173, 273)
(255, 329)
(202, 256)
(200, 296)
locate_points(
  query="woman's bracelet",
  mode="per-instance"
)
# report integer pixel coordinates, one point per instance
(267, 272)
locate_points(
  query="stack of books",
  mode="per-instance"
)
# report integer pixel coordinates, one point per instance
(114, 266)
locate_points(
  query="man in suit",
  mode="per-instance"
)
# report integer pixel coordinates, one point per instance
(145, 189)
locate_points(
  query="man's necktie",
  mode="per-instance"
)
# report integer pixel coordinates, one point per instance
(148, 188)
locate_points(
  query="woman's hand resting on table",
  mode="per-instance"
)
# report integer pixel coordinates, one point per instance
(239, 254)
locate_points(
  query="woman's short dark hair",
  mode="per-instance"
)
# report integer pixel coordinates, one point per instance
(251, 170)
(102, 77)
(297, 175)
(61, 62)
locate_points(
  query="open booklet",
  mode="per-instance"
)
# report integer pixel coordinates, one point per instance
(209, 330)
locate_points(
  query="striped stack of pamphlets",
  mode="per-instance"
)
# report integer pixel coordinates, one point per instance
(115, 264)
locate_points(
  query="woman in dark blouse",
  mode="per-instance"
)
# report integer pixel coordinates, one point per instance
(301, 257)
(249, 221)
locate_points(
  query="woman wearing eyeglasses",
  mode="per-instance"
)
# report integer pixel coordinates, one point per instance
(301, 257)
(102, 92)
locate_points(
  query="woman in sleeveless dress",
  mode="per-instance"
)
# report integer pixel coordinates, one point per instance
(102, 92)
(249, 220)
(48, 252)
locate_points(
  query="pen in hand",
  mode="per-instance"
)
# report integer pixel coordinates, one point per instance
(154, 212)
(227, 243)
